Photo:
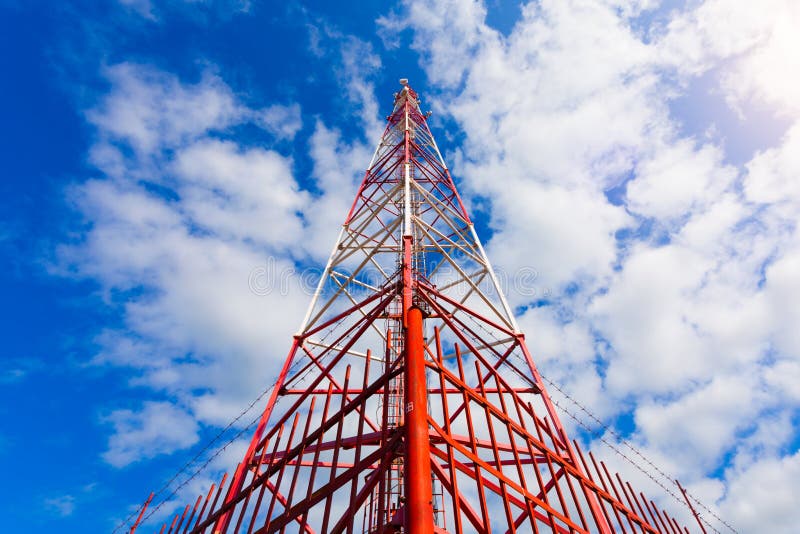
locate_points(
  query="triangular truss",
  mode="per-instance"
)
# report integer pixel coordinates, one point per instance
(409, 401)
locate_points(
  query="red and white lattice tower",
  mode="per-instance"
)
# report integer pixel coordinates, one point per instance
(409, 401)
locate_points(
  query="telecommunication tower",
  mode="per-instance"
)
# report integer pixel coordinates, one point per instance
(409, 401)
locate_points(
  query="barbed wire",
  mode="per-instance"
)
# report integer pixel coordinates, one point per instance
(617, 436)
(205, 448)
(603, 426)
(200, 469)
(126, 522)
(596, 432)
(628, 459)
(188, 464)
(620, 438)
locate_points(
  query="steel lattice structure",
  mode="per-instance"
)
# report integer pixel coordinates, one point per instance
(408, 401)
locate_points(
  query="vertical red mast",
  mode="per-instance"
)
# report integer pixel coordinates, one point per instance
(417, 469)
(419, 498)
(409, 401)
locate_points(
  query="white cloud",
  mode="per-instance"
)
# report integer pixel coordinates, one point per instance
(768, 74)
(158, 428)
(647, 320)
(358, 64)
(774, 174)
(63, 506)
(340, 158)
(749, 44)
(282, 121)
(696, 429)
(179, 224)
(152, 111)
(354, 66)
(338, 168)
(784, 377)
(235, 193)
(197, 317)
(565, 353)
(445, 50)
(680, 292)
(553, 116)
(181, 221)
(782, 292)
(680, 282)
(530, 231)
(679, 180)
(762, 498)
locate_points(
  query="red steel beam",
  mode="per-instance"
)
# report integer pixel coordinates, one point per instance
(691, 508)
(417, 466)
(241, 470)
(141, 513)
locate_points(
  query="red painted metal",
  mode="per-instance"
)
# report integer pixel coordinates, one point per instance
(417, 472)
(691, 507)
(373, 428)
(238, 477)
(141, 514)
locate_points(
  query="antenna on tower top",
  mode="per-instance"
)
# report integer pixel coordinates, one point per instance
(403, 81)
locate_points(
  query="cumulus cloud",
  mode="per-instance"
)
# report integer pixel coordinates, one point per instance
(671, 269)
(749, 44)
(232, 192)
(149, 109)
(762, 496)
(340, 158)
(180, 219)
(159, 427)
(782, 291)
(678, 180)
(773, 175)
(282, 121)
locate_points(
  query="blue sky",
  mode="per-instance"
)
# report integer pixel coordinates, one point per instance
(640, 156)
